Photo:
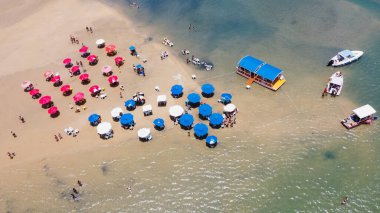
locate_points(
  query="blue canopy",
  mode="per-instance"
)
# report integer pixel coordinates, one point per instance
(194, 98)
(208, 89)
(132, 48)
(176, 89)
(250, 63)
(216, 119)
(159, 122)
(200, 129)
(130, 103)
(126, 119)
(139, 66)
(186, 120)
(93, 118)
(210, 140)
(205, 110)
(226, 97)
(269, 72)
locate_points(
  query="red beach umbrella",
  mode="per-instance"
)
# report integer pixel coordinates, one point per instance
(94, 89)
(48, 74)
(75, 69)
(34, 92)
(65, 88)
(55, 78)
(78, 97)
(113, 79)
(26, 84)
(66, 61)
(83, 49)
(53, 110)
(92, 58)
(118, 60)
(84, 77)
(110, 48)
(45, 100)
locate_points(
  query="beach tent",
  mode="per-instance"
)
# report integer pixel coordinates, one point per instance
(216, 120)
(100, 43)
(176, 111)
(226, 98)
(116, 113)
(205, 111)
(85, 78)
(53, 111)
(161, 100)
(113, 80)
(67, 62)
(159, 123)
(66, 89)
(119, 61)
(92, 59)
(79, 98)
(186, 121)
(144, 134)
(193, 99)
(111, 49)
(207, 90)
(130, 104)
(27, 86)
(229, 108)
(126, 120)
(200, 130)
(48, 75)
(211, 141)
(94, 119)
(176, 90)
(104, 129)
(107, 70)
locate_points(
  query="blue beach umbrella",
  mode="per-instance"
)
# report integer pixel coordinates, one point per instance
(139, 66)
(93, 118)
(211, 140)
(208, 89)
(126, 119)
(186, 120)
(130, 103)
(216, 119)
(159, 122)
(226, 97)
(131, 48)
(194, 98)
(200, 129)
(176, 89)
(205, 110)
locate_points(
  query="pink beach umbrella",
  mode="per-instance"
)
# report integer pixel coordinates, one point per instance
(92, 58)
(110, 49)
(26, 84)
(119, 61)
(45, 100)
(66, 88)
(75, 69)
(53, 110)
(94, 89)
(84, 77)
(107, 70)
(48, 75)
(67, 62)
(34, 92)
(83, 50)
(55, 79)
(113, 79)
(78, 97)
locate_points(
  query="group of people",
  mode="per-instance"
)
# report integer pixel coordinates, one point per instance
(89, 29)
(229, 120)
(164, 55)
(58, 137)
(74, 39)
(11, 155)
(75, 193)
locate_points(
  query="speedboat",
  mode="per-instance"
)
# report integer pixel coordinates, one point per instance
(335, 84)
(345, 57)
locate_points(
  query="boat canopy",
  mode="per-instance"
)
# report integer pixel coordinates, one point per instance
(345, 53)
(337, 80)
(364, 111)
(260, 68)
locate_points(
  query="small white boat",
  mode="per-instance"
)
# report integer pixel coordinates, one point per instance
(345, 57)
(335, 85)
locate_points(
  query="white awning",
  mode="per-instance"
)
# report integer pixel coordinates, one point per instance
(161, 98)
(104, 128)
(147, 108)
(364, 111)
(229, 108)
(176, 110)
(115, 113)
(143, 133)
(337, 80)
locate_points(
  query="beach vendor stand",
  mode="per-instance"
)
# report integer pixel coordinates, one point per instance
(67, 62)
(84, 51)
(94, 119)
(66, 90)
(177, 91)
(119, 61)
(100, 43)
(111, 50)
(85, 78)
(186, 121)
(147, 110)
(53, 112)
(144, 134)
(92, 60)
(132, 50)
(75, 70)
(79, 98)
(159, 124)
(48, 75)
(104, 130)
(35, 93)
(200, 131)
(161, 100)
(211, 141)
(130, 105)
(193, 100)
(216, 120)
(27, 86)
(207, 90)
(205, 111)
(113, 80)
(116, 113)
(107, 70)
(46, 102)
(175, 112)
(126, 121)
(94, 90)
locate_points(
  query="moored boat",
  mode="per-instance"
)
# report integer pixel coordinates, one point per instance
(335, 85)
(361, 115)
(345, 57)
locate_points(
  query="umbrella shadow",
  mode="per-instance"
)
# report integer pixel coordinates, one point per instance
(58, 83)
(55, 114)
(79, 103)
(200, 137)
(69, 65)
(48, 105)
(85, 82)
(115, 84)
(207, 95)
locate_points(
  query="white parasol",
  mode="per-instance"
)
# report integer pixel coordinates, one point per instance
(176, 110)
(115, 113)
(229, 108)
(104, 128)
(143, 133)
(161, 98)
(100, 42)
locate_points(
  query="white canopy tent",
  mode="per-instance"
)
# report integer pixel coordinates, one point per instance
(364, 111)
(147, 109)
(116, 112)
(176, 110)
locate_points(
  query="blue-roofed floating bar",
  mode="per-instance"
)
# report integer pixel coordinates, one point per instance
(260, 72)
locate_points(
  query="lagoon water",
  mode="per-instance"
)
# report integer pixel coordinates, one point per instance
(288, 151)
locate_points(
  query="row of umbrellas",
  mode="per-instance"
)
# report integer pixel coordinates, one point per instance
(207, 91)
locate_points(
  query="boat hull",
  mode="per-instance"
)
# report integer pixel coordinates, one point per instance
(334, 62)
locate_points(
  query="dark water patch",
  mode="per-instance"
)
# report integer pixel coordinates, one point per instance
(104, 168)
(329, 155)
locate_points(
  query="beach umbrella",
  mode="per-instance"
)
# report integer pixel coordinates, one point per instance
(53, 110)
(131, 48)
(65, 88)
(84, 77)
(55, 79)
(186, 120)
(119, 61)
(116, 112)
(45, 100)
(83, 49)
(194, 98)
(159, 122)
(67, 61)
(205, 110)
(126, 119)
(139, 66)
(216, 119)
(107, 69)
(48, 74)
(176, 90)
(92, 58)
(200, 129)
(104, 128)
(113, 79)
(94, 89)
(176, 110)
(226, 97)
(26, 84)
(130, 104)
(211, 141)
(78, 97)
(100, 42)
(208, 89)
(34, 92)
(74, 69)
(94, 118)
(229, 108)
(111, 48)
(143, 133)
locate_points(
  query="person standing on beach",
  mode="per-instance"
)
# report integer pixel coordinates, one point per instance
(87, 29)
(13, 134)
(91, 30)
(21, 119)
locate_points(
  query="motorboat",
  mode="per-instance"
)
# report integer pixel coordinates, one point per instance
(361, 115)
(345, 57)
(335, 85)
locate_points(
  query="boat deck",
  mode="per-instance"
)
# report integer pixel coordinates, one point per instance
(278, 84)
